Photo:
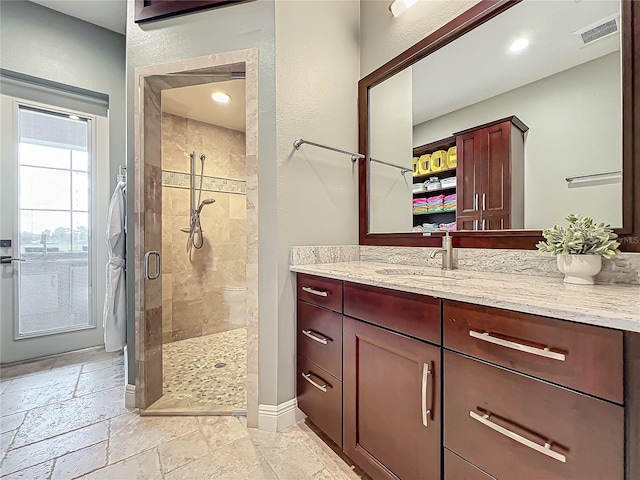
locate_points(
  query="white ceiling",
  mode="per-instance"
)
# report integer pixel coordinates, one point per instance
(195, 102)
(110, 14)
(479, 65)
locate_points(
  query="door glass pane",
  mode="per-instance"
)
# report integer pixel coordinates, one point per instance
(43, 156)
(44, 188)
(80, 191)
(54, 218)
(80, 160)
(80, 240)
(45, 232)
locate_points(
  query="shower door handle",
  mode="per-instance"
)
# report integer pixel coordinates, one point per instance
(147, 257)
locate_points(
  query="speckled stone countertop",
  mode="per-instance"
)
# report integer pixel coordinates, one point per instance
(613, 306)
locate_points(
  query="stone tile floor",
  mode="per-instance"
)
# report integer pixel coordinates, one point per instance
(65, 418)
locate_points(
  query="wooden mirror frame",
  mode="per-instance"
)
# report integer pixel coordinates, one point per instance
(523, 239)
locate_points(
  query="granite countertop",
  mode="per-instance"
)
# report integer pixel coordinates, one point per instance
(614, 306)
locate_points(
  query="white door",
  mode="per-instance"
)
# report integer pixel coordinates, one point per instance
(52, 214)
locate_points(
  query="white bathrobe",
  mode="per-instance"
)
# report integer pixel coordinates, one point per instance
(115, 302)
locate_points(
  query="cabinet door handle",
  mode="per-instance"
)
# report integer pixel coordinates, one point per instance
(475, 202)
(426, 412)
(484, 201)
(311, 334)
(541, 352)
(475, 224)
(483, 224)
(307, 377)
(313, 291)
(544, 449)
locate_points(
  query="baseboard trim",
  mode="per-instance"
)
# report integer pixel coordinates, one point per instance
(274, 418)
(130, 396)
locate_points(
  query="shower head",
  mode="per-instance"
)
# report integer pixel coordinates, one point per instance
(206, 201)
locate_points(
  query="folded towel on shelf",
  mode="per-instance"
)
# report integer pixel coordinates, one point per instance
(450, 197)
(452, 226)
(448, 182)
(436, 199)
(419, 201)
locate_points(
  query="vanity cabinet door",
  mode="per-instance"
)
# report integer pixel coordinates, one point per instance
(495, 197)
(391, 403)
(470, 148)
(495, 222)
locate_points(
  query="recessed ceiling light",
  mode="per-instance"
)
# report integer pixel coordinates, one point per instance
(400, 6)
(74, 117)
(519, 44)
(221, 97)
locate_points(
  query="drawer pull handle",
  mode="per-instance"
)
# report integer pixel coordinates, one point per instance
(544, 449)
(426, 412)
(542, 352)
(313, 291)
(310, 334)
(307, 377)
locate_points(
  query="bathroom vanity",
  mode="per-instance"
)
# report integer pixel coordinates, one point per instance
(421, 374)
(416, 374)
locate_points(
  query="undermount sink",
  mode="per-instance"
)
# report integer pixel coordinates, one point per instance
(418, 272)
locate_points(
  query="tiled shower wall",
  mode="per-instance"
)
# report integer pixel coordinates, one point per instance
(192, 295)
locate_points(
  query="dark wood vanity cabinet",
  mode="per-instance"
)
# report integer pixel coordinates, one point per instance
(491, 176)
(523, 396)
(392, 383)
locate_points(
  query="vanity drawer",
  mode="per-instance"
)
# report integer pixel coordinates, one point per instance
(320, 398)
(457, 468)
(414, 315)
(326, 292)
(320, 337)
(586, 434)
(582, 357)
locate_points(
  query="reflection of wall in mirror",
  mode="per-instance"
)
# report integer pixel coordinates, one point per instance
(390, 132)
(575, 128)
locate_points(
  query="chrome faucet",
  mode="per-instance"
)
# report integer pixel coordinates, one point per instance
(446, 251)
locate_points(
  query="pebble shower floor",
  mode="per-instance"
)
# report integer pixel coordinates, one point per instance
(190, 371)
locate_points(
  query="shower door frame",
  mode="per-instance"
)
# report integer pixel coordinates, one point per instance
(148, 218)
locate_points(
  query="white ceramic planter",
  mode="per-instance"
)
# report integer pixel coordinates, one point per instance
(579, 269)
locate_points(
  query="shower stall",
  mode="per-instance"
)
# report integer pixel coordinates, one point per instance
(203, 171)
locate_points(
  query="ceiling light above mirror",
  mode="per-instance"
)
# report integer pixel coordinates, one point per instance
(221, 97)
(519, 44)
(398, 7)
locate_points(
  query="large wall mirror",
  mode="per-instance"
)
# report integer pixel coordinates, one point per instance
(501, 123)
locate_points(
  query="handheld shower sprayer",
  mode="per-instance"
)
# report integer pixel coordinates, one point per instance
(196, 239)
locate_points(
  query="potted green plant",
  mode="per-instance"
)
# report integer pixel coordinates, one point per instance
(580, 247)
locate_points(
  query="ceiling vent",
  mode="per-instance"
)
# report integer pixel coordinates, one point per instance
(596, 31)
